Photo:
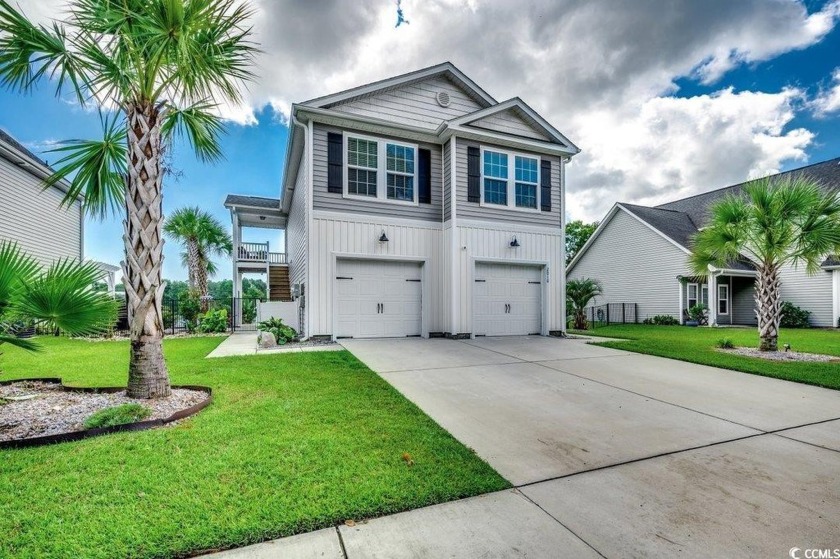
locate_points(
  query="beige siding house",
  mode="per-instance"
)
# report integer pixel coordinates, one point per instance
(639, 254)
(419, 206)
(31, 216)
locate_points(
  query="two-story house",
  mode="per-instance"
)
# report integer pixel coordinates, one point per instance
(33, 216)
(417, 206)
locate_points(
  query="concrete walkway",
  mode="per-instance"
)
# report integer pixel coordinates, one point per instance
(612, 454)
(245, 343)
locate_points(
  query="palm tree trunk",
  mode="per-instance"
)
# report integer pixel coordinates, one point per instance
(193, 262)
(768, 307)
(201, 284)
(147, 373)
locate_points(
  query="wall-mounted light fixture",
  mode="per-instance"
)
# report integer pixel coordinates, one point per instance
(514, 243)
(262, 218)
(383, 238)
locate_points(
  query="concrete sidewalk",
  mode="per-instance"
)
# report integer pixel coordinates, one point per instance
(245, 343)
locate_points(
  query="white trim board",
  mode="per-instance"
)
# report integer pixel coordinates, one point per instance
(378, 220)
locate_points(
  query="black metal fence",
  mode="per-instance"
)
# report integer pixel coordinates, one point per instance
(180, 316)
(611, 313)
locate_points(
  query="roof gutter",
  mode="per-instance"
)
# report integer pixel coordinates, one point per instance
(32, 166)
(288, 188)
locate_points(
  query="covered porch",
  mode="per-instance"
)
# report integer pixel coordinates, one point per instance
(728, 295)
(250, 257)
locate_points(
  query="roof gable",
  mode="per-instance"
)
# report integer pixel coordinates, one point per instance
(512, 121)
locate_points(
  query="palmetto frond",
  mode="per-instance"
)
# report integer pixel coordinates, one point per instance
(580, 291)
(201, 127)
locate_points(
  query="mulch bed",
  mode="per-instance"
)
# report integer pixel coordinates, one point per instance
(41, 411)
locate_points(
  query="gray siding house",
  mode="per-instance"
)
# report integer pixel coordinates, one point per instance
(417, 206)
(640, 255)
(32, 216)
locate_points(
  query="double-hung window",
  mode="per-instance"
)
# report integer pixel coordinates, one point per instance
(503, 186)
(723, 299)
(380, 169)
(692, 295)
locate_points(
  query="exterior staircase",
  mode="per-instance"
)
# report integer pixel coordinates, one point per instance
(279, 288)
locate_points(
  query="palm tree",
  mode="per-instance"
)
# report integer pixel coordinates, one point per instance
(60, 298)
(578, 294)
(158, 68)
(789, 221)
(203, 236)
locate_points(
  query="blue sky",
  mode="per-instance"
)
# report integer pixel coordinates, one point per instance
(664, 100)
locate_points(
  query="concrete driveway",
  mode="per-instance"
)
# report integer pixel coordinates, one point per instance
(625, 454)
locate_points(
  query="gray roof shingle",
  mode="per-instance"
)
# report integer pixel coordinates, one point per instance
(252, 201)
(831, 261)
(674, 224)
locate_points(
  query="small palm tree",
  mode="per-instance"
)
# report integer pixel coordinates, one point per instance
(579, 292)
(160, 67)
(203, 237)
(781, 222)
(59, 298)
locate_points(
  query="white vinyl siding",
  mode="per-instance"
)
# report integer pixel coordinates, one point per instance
(811, 292)
(634, 265)
(338, 202)
(33, 217)
(413, 104)
(488, 212)
(509, 122)
(296, 235)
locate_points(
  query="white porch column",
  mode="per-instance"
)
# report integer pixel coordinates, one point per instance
(680, 314)
(836, 298)
(713, 299)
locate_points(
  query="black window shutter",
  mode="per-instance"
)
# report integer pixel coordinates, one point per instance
(335, 162)
(424, 175)
(545, 185)
(473, 174)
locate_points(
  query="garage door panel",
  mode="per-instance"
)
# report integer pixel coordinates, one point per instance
(507, 300)
(378, 301)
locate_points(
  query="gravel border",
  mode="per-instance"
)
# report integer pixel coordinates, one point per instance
(37, 411)
(792, 356)
(316, 342)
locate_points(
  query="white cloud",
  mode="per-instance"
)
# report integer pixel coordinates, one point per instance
(828, 100)
(602, 71)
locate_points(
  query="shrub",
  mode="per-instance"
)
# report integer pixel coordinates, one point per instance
(117, 415)
(661, 320)
(282, 333)
(697, 312)
(794, 317)
(213, 322)
(725, 343)
(190, 306)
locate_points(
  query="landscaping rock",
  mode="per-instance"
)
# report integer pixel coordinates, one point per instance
(782, 355)
(267, 340)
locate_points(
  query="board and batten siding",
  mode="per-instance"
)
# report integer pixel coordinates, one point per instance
(413, 104)
(34, 219)
(447, 181)
(492, 244)
(474, 210)
(296, 235)
(335, 201)
(634, 265)
(811, 292)
(359, 236)
(508, 122)
(743, 302)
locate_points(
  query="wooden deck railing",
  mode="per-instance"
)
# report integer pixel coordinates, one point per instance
(258, 252)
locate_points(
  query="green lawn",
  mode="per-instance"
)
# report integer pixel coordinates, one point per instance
(291, 443)
(698, 346)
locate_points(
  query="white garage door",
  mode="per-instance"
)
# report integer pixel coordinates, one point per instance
(507, 300)
(377, 299)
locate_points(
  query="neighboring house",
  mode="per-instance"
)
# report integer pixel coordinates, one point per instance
(31, 215)
(417, 206)
(640, 255)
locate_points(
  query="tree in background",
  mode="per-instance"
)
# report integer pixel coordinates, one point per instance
(577, 233)
(203, 237)
(579, 292)
(774, 223)
(58, 298)
(160, 67)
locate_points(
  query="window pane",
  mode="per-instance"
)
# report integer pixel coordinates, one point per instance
(495, 192)
(400, 187)
(361, 182)
(361, 153)
(495, 165)
(400, 158)
(526, 169)
(526, 195)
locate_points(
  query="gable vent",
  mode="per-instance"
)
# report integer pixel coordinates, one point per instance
(443, 98)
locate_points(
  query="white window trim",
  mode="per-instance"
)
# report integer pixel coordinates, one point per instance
(511, 180)
(704, 288)
(720, 298)
(381, 171)
(688, 298)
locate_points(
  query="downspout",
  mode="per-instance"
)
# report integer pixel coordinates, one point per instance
(295, 122)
